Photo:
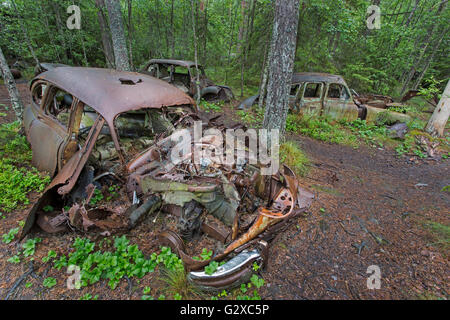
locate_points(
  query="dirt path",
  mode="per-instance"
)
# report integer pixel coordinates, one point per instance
(363, 195)
(370, 209)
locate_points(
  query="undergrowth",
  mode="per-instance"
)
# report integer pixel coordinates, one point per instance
(125, 261)
(294, 158)
(17, 176)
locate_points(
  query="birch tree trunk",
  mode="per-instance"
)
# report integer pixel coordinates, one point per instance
(16, 102)
(118, 35)
(439, 118)
(281, 63)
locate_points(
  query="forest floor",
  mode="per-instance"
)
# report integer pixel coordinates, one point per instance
(371, 207)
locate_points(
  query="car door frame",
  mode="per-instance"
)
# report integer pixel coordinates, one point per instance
(339, 108)
(44, 132)
(305, 107)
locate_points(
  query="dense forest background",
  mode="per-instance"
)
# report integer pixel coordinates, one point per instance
(233, 38)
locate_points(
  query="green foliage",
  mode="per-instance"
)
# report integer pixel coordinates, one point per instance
(47, 208)
(113, 192)
(256, 282)
(204, 255)
(7, 238)
(17, 177)
(440, 234)
(293, 157)
(432, 88)
(96, 197)
(126, 260)
(50, 256)
(210, 106)
(253, 117)
(369, 133)
(177, 296)
(321, 129)
(211, 267)
(14, 259)
(49, 282)
(30, 246)
(89, 296)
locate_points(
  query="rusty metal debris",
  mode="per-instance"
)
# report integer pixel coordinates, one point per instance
(117, 134)
(183, 75)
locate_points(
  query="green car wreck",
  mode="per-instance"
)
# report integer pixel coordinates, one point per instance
(322, 94)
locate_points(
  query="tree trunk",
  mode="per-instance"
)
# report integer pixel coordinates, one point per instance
(130, 33)
(60, 29)
(281, 64)
(423, 48)
(172, 32)
(16, 102)
(197, 81)
(242, 27)
(438, 120)
(429, 60)
(205, 32)
(265, 72)
(106, 36)
(118, 35)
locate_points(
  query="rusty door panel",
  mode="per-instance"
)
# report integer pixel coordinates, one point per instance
(45, 155)
(310, 106)
(29, 116)
(339, 108)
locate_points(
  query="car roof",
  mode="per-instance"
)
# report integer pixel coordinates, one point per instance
(317, 77)
(103, 90)
(183, 63)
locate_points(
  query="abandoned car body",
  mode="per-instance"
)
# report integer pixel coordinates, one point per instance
(97, 129)
(183, 75)
(321, 94)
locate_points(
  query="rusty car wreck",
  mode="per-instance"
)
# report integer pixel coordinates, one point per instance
(183, 75)
(94, 129)
(322, 94)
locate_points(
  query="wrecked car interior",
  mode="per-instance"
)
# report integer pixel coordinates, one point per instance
(183, 75)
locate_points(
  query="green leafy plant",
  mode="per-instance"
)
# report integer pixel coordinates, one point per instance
(89, 296)
(210, 106)
(49, 282)
(30, 246)
(177, 296)
(50, 255)
(14, 259)
(17, 176)
(204, 255)
(294, 157)
(211, 267)
(126, 260)
(96, 197)
(7, 238)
